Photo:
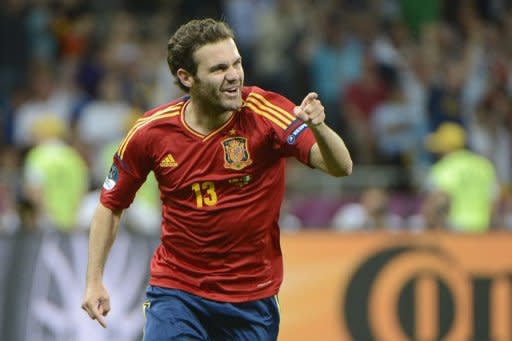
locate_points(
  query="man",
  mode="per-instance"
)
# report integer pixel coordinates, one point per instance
(55, 176)
(468, 179)
(218, 156)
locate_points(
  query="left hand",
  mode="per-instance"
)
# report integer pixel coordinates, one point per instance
(96, 303)
(311, 110)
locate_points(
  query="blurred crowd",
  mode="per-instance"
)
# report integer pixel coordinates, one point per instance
(423, 88)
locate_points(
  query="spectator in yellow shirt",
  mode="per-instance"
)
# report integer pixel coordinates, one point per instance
(467, 178)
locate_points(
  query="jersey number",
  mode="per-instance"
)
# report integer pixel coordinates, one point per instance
(209, 197)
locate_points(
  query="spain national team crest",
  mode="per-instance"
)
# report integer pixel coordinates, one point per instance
(236, 153)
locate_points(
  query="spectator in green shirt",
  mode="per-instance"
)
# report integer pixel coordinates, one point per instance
(467, 178)
(55, 176)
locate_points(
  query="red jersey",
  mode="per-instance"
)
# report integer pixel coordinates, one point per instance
(221, 194)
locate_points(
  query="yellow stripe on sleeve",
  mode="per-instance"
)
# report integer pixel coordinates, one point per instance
(122, 149)
(268, 110)
(265, 114)
(267, 103)
(142, 120)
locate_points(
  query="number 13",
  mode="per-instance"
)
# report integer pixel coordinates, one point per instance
(209, 198)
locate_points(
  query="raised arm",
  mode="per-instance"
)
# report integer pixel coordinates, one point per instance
(329, 153)
(104, 226)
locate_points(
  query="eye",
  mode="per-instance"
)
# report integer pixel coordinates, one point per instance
(218, 68)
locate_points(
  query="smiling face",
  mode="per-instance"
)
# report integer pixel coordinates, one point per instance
(218, 81)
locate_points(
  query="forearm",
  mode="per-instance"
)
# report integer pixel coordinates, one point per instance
(103, 232)
(329, 153)
(332, 155)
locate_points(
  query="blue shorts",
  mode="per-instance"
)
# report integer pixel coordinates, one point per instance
(176, 315)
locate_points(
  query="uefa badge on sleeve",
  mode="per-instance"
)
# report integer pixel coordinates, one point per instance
(111, 179)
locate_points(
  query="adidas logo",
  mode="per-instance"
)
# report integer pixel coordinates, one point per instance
(168, 161)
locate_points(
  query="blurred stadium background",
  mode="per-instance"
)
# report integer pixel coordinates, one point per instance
(75, 74)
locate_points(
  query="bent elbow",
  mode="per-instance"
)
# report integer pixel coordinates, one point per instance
(346, 170)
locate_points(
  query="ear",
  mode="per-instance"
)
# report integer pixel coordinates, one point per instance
(185, 77)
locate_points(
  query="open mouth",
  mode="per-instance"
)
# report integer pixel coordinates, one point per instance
(231, 92)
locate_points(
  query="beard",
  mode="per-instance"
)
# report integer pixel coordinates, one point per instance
(210, 96)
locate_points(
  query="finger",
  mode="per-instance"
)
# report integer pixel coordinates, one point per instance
(88, 310)
(317, 120)
(315, 113)
(94, 313)
(301, 114)
(316, 117)
(101, 321)
(104, 307)
(97, 316)
(312, 107)
(309, 97)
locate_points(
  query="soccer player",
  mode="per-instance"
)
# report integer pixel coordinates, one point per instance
(219, 157)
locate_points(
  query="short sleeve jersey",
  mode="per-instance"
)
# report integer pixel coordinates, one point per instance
(221, 193)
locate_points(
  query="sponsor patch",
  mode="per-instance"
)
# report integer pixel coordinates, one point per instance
(236, 153)
(111, 180)
(240, 181)
(293, 136)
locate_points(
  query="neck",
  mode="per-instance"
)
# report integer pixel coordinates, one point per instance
(203, 118)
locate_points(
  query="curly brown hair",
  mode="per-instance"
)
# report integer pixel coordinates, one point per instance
(189, 38)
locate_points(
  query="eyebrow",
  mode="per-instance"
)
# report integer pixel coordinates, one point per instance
(223, 65)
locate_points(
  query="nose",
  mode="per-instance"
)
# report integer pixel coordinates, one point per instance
(232, 75)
